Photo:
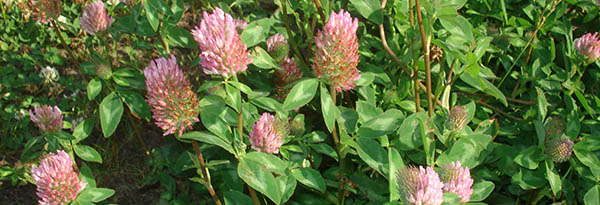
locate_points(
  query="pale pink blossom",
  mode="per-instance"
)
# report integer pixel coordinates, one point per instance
(336, 54)
(268, 133)
(95, 18)
(420, 186)
(589, 45)
(222, 49)
(275, 41)
(48, 119)
(174, 104)
(457, 179)
(56, 179)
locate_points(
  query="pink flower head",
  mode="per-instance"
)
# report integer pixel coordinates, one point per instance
(48, 119)
(336, 54)
(268, 133)
(174, 104)
(457, 179)
(95, 18)
(421, 186)
(223, 51)
(56, 179)
(589, 45)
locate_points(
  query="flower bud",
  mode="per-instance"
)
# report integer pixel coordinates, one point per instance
(45, 10)
(277, 46)
(297, 125)
(559, 149)
(555, 127)
(457, 118)
(103, 71)
(436, 53)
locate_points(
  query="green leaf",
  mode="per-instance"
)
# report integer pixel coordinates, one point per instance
(310, 177)
(257, 169)
(83, 130)
(154, 10)
(483, 85)
(530, 157)
(262, 59)
(129, 78)
(85, 173)
(328, 108)
(209, 139)
(458, 26)
(370, 9)
(542, 103)
(482, 190)
(409, 133)
(111, 110)
(467, 150)
(87, 153)
(233, 197)
(267, 103)
(553, 179)
(381, 125)
(136, 104)
(325, 149)
(301, 94)
(212, 114)
(95, 194)
(93, 88)
(373, 154)
(256, 31)
(396, 163)
(177, 36)
(592, 196)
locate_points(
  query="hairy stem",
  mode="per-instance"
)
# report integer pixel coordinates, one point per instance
(205, 175)
(425, 44)
(58, 32)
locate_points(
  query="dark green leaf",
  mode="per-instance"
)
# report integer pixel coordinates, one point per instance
(111, 110)
(301, 94)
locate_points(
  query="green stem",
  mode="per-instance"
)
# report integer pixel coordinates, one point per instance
(240, 131)
(58, 32)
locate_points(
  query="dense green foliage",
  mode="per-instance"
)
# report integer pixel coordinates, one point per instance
(511, 64)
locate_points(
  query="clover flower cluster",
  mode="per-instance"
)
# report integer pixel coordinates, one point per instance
(423, 186)
(174, 104)
(589, 45)
(95, 18)
(222, 50)
(268, 134)
(336, 54)
(47, 118)
(56, 179)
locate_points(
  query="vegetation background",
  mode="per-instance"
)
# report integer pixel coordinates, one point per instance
(511, 64)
